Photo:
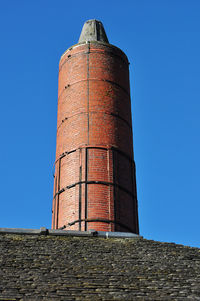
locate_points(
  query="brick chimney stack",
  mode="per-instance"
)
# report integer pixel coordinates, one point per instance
(94, 185)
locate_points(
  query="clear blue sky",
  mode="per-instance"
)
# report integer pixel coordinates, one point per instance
(161, 40)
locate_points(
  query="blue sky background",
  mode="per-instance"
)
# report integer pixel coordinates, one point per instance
(161, 40)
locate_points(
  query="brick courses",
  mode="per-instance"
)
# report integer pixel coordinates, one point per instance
(94, 168)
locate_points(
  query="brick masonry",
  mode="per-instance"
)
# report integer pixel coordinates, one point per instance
(94, 184)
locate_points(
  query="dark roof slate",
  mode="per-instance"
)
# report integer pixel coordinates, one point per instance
(44, 267)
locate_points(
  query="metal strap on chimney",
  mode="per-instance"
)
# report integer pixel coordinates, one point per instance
(98, 220)
(95, 147)
(93, 112)
(94, 182)
(111, 53)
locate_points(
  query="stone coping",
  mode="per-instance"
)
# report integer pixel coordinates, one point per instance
(90, 233)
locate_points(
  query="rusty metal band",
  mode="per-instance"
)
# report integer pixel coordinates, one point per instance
(62, 156)
(94, 79)
(54, 204)
(114, 190)
(93, 51)
(95, 147)
(58, 200)
(80, 195)
(105, 113)
(88, 132)
(95, 182)
(85, 182)
(100, 220)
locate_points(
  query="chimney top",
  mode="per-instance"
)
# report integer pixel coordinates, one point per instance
(93, 30)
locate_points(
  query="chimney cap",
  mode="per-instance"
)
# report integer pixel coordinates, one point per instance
(93, 30)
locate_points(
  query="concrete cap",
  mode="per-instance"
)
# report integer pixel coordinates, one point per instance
(93, 30)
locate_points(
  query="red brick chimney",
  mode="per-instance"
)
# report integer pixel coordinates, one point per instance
(95, 185)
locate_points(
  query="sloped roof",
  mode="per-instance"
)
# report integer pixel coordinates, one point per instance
(54, 267)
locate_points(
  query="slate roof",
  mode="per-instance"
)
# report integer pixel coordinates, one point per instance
(54, 267)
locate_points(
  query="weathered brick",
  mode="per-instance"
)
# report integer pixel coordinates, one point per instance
(94, 131)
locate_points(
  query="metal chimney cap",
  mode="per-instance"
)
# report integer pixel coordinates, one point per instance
(93, 30)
